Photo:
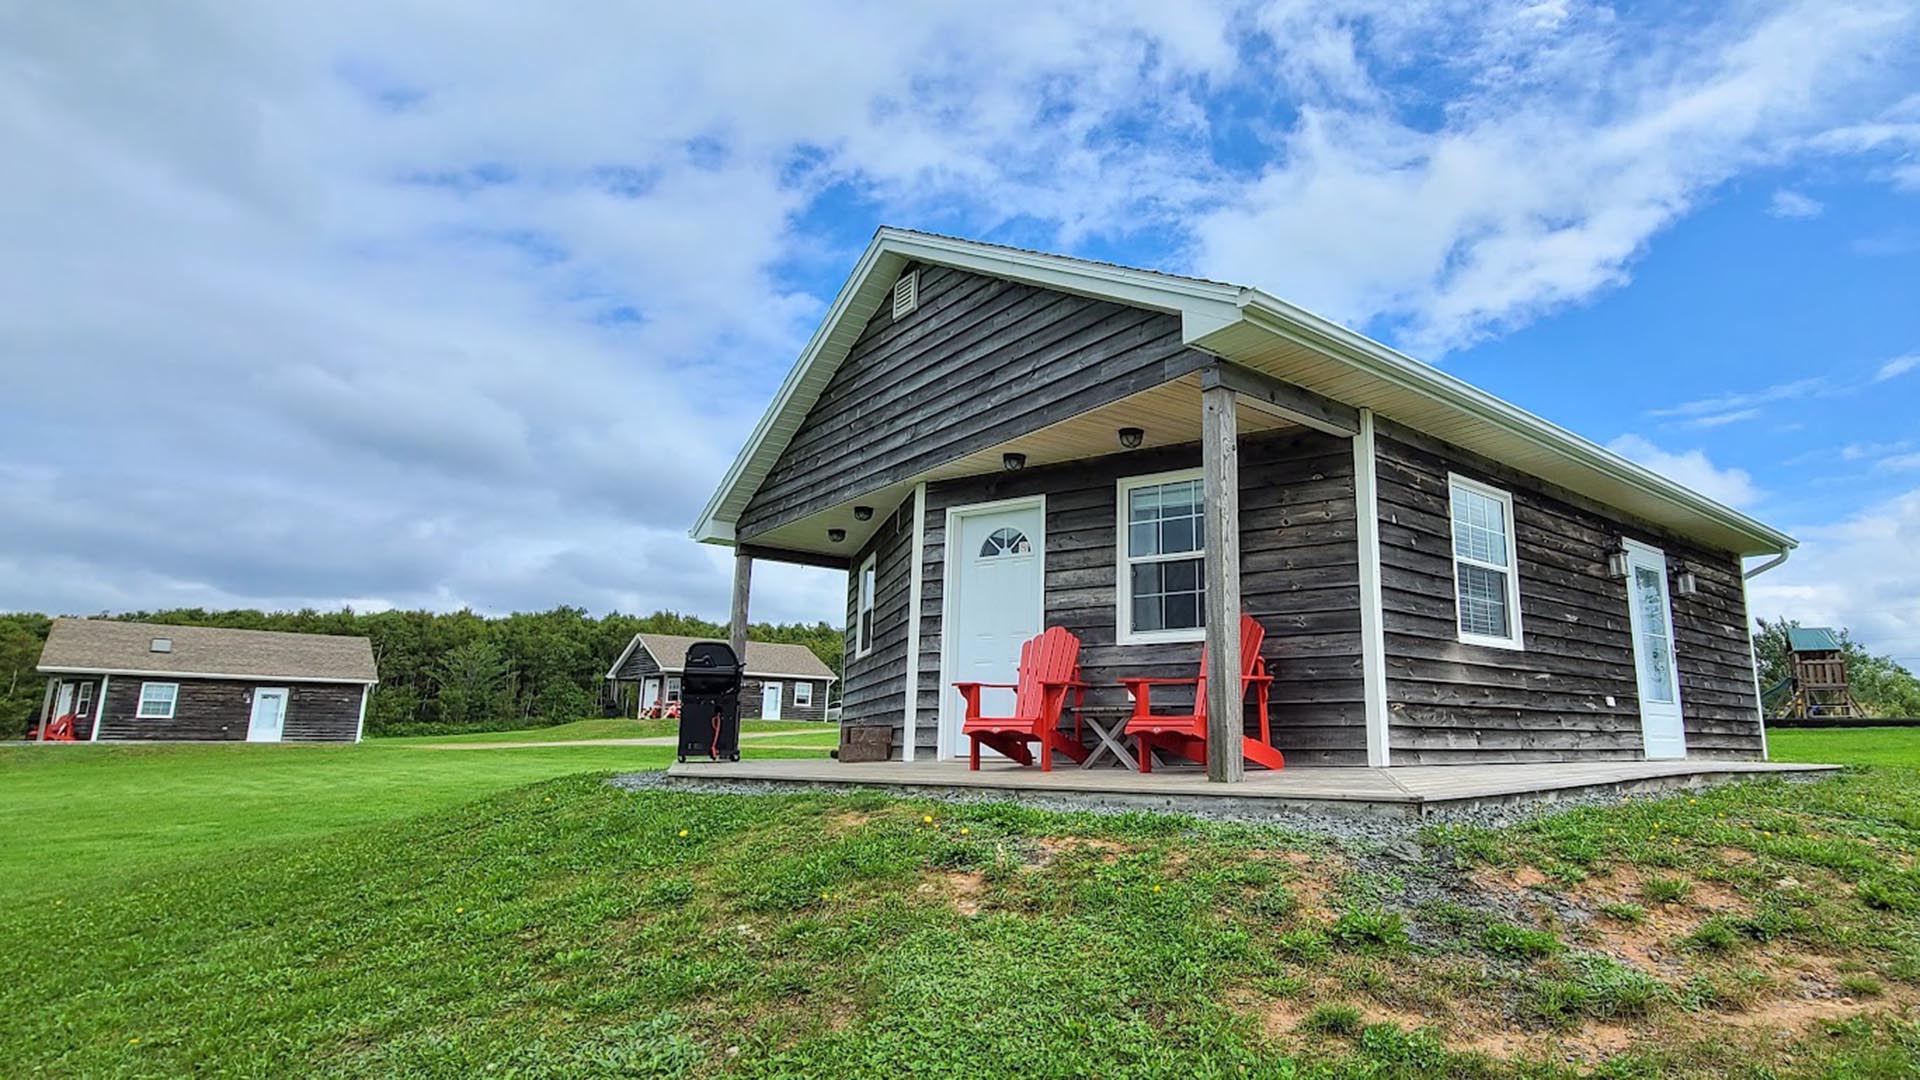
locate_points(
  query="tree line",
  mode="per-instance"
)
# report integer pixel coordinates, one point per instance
(440, 672)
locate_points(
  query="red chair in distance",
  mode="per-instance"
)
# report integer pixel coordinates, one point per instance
(1187, 735)
(1049, 668)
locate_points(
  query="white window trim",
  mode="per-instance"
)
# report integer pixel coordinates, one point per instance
(1516, 641)
(173, 702)
(864, 604)
(83, 700)
(1124, 633)
(803, 695)
(670, 689)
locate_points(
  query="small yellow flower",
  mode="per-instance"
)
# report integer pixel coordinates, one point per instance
(683, 832)
(1156, 888)
(927, 818)
(459, 911)
(964, 831)
(135, 1041)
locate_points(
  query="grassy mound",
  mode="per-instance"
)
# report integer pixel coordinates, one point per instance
(571, 929)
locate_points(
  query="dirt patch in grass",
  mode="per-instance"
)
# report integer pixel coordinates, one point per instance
(963, 890)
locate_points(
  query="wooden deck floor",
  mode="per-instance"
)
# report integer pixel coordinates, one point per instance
(1407, 791)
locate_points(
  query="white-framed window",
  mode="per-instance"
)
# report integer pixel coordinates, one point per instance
(83, 704)
(673, 688)
(1486, 578)
(803, 693)
(157, 700)
(863, 613)
(1162, 548)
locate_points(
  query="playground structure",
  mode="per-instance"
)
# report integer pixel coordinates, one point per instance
(1816, 683)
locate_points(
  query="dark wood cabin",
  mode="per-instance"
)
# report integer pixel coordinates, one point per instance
(129, 681)
(990, 441)
(781, 682)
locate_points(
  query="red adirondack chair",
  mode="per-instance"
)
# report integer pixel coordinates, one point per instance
(1187, 735)
(1049, 669)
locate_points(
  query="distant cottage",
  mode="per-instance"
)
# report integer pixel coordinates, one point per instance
(109, 680)
(782, 682)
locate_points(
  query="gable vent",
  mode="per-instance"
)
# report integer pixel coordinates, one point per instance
(161, 644)
(906, 293)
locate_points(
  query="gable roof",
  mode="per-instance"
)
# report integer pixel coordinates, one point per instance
(764, 658)
(1263, 332)
(126, 648)
(1812, 639)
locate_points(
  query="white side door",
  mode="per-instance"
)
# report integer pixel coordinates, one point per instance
(996, 576)
(269, 715)
(770, 694)
(1650, 611)
(649, 695)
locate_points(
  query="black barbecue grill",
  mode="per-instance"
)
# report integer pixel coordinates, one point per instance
(710, 703)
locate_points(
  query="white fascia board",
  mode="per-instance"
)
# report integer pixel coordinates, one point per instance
(227, 676)
(1295, 323)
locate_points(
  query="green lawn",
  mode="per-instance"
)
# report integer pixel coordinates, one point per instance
(481, 923)
(613, 728)
(1846, 746)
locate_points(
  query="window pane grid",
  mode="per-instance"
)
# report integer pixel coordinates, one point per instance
(1485, 588)
(1165, 544)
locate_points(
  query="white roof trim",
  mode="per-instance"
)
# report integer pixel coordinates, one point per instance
(262, 679)
(1204, 307)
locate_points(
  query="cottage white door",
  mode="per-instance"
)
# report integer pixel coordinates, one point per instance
(1650, 610)
(996, 559)
(770, 694)
(269, 715)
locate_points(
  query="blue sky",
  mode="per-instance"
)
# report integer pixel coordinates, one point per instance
(409, 304)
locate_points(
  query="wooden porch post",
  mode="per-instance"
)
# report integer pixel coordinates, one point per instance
(737, 619)
(46, 706)
(1226, 697)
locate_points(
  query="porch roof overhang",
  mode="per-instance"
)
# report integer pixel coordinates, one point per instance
(1248, 327)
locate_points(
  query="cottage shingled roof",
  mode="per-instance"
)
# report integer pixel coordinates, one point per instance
(763, 657)
(88, 645)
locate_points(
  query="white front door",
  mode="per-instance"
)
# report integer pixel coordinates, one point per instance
(996, 574)
(649, 695)
(269, 715)
(1650, 611)
(770, 700)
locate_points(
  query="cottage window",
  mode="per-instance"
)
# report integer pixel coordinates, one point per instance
(673, 688)
(157, 700)
(1163, 544)
(803, 693)
(863, 620)
(83, 705)
(1486, 583)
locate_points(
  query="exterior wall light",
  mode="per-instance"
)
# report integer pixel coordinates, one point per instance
(1617, 564)
(863, 513)
(1130, 437)
(1013, 462)
(1686, 583)
(837, 535)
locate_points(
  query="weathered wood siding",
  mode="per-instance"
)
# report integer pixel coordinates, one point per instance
(873, 687)
(1300, 578)
(979, 361)
(218, 710)
(638, 665)
(1455, 703)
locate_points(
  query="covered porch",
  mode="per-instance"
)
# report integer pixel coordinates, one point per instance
(1405, 792)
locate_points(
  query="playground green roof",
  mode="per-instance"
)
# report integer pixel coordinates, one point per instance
(1812, 639)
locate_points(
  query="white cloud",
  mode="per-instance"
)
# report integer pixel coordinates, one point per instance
(1897, 367)
(1795, 206)
(1862, 573)
(1742, 404)
(1691, 468)
(1714, 420)
(1577, 136)
(1899, 462)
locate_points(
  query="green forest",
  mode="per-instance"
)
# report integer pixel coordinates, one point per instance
(439, 672)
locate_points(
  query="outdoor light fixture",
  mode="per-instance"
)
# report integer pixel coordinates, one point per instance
(863, 513)
(1617, 563)
(1130, 437)
(1013, 462)
(1685, 582)
(836, 535)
